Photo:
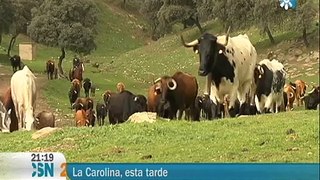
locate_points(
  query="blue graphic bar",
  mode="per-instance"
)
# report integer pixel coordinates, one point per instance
(190, 171)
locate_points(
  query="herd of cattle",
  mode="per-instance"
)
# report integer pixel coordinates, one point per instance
(236, 84)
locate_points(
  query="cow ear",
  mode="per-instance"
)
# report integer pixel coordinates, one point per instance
(9, 111)
(221, 48)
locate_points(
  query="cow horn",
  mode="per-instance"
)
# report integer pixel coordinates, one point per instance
(190, 44)
(290, 95)
(227, 37)
(174, 85)
(157, 80)
(312, 90)
(136, 98)
(82, 67)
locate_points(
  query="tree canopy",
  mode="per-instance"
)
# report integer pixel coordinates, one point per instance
(65, 23)
(6, 16)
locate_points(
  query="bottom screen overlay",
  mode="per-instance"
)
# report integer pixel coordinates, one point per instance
(197, 171)
(51, 165)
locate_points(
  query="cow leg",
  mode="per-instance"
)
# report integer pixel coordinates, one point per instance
(207, 88)
(259, 104)
(243, 90)
(279, 102)
(180, 114)
(21, 115)
(102, 120)
(269, 103)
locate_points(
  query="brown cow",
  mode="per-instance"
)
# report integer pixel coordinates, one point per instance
(81, 118)
(76, 72)
(120, 87)
(74, 91)
(91, 116)
(154, 96)
(44, 119)
(299, 91)
(50, 68)
(291, 95)
(83, 103)
(178, 93)
(8, 104)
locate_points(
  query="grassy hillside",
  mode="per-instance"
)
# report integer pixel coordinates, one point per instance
(285, 137)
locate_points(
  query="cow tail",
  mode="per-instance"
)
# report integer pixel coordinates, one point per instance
(126, 109)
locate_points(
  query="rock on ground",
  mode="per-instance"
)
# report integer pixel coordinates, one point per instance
(143, 117)
(44, 132)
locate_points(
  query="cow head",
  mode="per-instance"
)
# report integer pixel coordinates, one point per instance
(313, 98)
(209, 51)
(258, 72)
(5, 119)
(106, 97)
(141, 103)
(29, 120)
(164, 86)
(199, 102)
(120, 87)
(91, 116)
(76, 86)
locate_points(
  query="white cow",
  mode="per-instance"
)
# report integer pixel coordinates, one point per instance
(270, 78)
(23, 90)
(228, 63)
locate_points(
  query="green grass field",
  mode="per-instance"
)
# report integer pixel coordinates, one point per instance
(285, 137)
(124, 55)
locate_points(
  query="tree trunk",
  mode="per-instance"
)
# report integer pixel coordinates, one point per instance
(60, 70)
(304, 36)
(0, 37)
(124, 4)
(196, 21)
(11, 44)
(267, 30)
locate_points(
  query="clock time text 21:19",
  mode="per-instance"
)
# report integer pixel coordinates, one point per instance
(42, 157)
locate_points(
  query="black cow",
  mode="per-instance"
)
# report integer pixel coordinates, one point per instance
(209, 108)
(15, 63)
(87, 86)
(142, 102)
(101, 110)
(122, 105)
(76, 62)
(312, 100)
(93, 89)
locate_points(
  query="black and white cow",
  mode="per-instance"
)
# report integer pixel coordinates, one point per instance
(228, 63)
(270, 77)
